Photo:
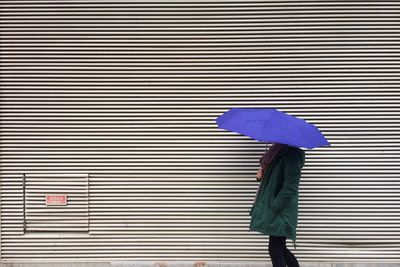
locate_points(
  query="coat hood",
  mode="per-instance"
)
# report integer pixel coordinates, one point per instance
(292, 149)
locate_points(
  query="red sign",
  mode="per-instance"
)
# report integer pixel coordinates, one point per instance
(56, 200)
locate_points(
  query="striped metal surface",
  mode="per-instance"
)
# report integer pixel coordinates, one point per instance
(127, 92)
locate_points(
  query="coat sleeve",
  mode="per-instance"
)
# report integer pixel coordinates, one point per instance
(291, 175)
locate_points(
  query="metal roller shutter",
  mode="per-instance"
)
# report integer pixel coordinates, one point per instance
(127, 92)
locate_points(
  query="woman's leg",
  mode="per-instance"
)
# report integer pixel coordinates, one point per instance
(290, 259)
(280, 254)
(276, 249)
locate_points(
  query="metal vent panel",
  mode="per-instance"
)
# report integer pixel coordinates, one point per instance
(45, 215)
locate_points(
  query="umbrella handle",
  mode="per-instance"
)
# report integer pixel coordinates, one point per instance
(266, 148)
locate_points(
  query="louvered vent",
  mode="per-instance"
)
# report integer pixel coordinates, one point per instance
(56, 203)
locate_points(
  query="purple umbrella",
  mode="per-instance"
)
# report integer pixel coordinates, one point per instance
(272, 125)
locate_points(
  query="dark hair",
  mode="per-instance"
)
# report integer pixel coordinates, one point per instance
(270, 154)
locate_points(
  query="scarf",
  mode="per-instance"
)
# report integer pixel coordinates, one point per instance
(270, 155)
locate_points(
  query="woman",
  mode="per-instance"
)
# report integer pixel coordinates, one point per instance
(275, 207)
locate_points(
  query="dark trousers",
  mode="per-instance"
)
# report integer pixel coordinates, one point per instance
(280, 254)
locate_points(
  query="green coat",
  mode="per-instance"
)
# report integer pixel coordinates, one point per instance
(275, 209)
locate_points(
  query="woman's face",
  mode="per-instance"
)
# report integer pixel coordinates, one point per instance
(259, 174)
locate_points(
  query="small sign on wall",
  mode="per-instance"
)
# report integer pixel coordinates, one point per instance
(56, 200)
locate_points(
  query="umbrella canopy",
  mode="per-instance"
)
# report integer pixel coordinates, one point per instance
(272, 125)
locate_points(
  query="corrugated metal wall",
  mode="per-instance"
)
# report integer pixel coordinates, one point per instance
(127, 92)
